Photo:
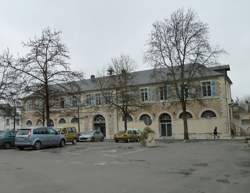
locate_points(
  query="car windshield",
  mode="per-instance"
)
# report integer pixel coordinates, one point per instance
(87, 132)
(23, 131)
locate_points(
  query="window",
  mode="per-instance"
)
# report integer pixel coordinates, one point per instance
(146, 119)
(208, 114)
(29, 105)
(163, 93)
(108, 97)
(144, 94)
(98, 99)
(51, 123)
(62, 121)
(17, 122)
(7, 122)
(245, 121)
(62, 103)
(29, 123)
(90, 99)
(51, 131)
(189, 115)
(208, 88)
(74, 120)
(185, 90)
(74, 101)
(39, 122)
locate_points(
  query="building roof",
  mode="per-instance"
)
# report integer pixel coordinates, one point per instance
(143, 77)
(152, 76)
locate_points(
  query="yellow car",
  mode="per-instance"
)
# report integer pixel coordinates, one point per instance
(127, 136)
(70, 134)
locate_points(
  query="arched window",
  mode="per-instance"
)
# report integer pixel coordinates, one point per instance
(51, 123)
(39, 122)
(208, 114)
(74, 120)
(62, 121)
(29, 123)
(165, 125)
(146, 119)
(189, 115)
(129, 118)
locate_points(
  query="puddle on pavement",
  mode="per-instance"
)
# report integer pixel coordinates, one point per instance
(200, 164)
(224, 181)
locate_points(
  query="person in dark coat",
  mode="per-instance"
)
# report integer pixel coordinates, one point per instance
(215, 132)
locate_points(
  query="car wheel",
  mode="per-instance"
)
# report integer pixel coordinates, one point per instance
(62, 143)
(20, 148)
(74, 142)
(37, 145)
(116, 140)
(102, 139)
(7, 146)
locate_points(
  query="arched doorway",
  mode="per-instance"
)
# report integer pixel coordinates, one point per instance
(99, 124)
(165, 125)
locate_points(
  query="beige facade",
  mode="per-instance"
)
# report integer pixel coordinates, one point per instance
(162, 115)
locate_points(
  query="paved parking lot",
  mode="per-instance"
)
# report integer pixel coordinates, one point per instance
(197, 167)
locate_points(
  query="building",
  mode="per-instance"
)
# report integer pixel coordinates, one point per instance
(7, 113)
(241, 119)
(160, 111)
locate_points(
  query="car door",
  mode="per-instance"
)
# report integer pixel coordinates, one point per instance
(52, 137)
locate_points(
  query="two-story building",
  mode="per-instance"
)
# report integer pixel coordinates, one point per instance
(86, 109)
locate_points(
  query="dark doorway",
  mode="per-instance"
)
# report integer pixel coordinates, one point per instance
(165, 125)
(99, 124)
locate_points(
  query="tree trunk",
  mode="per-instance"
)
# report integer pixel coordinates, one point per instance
(185, 123)
(125, 121)
(47, 110)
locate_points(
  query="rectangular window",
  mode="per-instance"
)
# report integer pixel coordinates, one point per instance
(17, 122)
(163, 93)
(206, 88)
(88, 99)
(74, 101)
(7, 122)
(144, 94)
(245, 121)
(62, 103)
(108, 97)
(98, 99)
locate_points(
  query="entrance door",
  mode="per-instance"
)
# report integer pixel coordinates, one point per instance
(165, 125)
(99, 124)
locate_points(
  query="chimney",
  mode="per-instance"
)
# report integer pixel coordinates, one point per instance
(110, 71)
(92, 77)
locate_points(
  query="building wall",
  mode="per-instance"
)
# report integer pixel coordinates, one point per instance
(198, 127)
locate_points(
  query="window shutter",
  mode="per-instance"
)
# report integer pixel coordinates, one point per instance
(213, 88)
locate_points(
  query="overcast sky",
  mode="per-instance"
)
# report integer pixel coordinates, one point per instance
(96, 30)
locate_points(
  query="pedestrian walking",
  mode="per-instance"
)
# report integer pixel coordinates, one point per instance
(215, 132)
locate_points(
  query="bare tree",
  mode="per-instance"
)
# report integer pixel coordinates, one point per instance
(45, 67)
(117, 88)
(9, 78)
(180, 45)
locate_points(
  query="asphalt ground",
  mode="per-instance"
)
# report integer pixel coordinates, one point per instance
(107, 167)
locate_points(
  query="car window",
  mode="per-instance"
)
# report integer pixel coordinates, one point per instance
(23, 131)
(51, 131)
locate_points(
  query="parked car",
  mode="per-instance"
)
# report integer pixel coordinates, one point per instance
(92, 135)
(38, 138)
(70, 134)
(7, 139)
(127, 136)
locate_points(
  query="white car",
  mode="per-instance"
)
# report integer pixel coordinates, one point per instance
(92, 135)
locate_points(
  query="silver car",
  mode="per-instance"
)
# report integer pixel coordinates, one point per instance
(92, 135)
(38, 137)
